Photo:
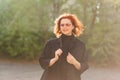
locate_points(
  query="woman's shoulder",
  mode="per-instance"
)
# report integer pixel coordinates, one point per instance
(80, 42)
(52, 41)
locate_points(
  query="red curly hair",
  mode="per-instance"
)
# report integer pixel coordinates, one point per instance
(78, 26)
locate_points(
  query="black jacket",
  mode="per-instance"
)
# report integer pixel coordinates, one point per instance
(62, 70)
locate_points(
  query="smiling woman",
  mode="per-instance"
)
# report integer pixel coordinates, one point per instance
(69, 20)
(64, 58)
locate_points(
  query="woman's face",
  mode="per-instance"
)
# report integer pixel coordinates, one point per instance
(66, 27)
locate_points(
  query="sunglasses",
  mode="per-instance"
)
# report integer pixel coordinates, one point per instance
(67, 24)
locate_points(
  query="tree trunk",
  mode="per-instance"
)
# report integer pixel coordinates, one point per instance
(56, 8)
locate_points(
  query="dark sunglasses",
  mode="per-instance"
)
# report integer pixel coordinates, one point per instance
(67, 24)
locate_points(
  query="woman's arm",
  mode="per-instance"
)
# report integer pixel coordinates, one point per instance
(55, 59)
(45, 57)
(73, 61)
(79, 63)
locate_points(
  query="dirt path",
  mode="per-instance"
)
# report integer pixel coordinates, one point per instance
(18, 71)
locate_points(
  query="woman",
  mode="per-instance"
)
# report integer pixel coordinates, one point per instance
(64, 57)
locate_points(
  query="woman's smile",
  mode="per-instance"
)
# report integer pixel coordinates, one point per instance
(65, 30)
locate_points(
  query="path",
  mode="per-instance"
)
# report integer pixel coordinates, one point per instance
(18, 71)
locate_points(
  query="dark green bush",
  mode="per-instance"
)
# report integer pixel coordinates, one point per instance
(21, 42)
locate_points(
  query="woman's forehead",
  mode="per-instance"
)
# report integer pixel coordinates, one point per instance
(65, 20)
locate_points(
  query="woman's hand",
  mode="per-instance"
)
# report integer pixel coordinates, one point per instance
(70, 59)
(57, 54)
(73, 61)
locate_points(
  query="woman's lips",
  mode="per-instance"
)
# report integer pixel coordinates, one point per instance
(65, 30)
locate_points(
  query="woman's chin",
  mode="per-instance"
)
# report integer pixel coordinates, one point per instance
(67, 34)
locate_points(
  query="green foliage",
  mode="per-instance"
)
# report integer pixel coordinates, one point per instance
(21, 42)
(21, 33)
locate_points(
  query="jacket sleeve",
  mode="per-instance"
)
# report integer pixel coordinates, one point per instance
(84, 60)
(44, 57)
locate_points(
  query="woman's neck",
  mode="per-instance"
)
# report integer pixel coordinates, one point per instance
(68, 34)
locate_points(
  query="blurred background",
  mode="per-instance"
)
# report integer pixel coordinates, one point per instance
(25, 26)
